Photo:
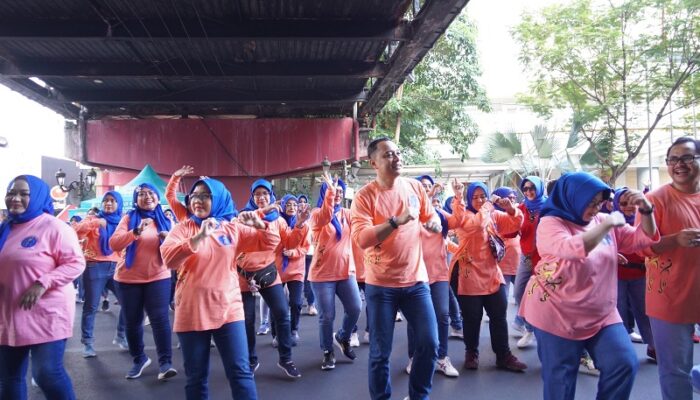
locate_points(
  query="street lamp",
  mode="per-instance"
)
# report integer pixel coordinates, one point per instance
(326, 165)
(83, 185)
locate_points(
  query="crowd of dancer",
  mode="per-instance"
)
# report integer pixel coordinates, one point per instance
(586, 263)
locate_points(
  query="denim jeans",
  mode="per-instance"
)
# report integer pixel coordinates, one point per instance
(472, 309)
(361, 288)
(308, 292)
(455, 314)
(522, 276)
(279, 310)
(80, 286)
(439, 292)
(97, 277)
(612, 353)
(47, 370)
(231, 343)
(349, 295)
(630, 294)
(674, 354)
(154, 297)
(295, 289)
(416, 304)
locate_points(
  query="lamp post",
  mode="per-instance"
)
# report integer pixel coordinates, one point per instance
(81, 187)
(326, 165)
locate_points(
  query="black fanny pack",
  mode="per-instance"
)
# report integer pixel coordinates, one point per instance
(259, 279)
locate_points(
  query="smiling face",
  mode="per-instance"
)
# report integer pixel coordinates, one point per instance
(478, 198)
(529, 190)
(147, 199)
(387, 159)
(339, 195)
(200, 201)
(684, 173)
(291, 208)
(627, 207)
(109, 204)
(427, 186)
(17, 197)
(261, 196)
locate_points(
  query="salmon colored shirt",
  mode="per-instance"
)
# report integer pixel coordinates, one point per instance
(511, 260)
(148, 265)
(88, 231)
(358, 257)
(398, 260)
(296, 268)
(331, 260)
(479, 273)
(528, 242)
(572, 294)
(178, 208)
(207, 294)
(435, 246)
(673, 277)
(43, 250)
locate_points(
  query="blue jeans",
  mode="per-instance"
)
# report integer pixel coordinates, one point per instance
(154, 297)
(674, 354)
(439, 292)
(279, 310)
(80, 286)
(630, 294)
(295, 289)
(612, 353)
(382, 305)
(455, 313)
(308, 292)
(495, 305)
(349, 295)
(231, 342)
(97, 277)
(522, 276)
(47, 370)
(361, 288)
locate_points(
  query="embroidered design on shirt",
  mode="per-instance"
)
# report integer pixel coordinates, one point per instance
(29, 241)
(373, 259)
(546, 274)
(659, 269)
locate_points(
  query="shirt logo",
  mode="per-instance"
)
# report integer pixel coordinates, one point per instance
(223, 239)
(29, 242)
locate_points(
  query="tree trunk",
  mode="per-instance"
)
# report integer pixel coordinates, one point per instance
(397, 133)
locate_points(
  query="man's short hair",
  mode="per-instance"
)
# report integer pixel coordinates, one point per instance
(683, 140)
(374, 144)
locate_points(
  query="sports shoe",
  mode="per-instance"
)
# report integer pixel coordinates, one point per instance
(635, 337)
(344, 346)
(486, 318)
(166, 372)
(311, 310)
(34, 384)
(254, 366)
(264, 328)
(89, 351)
(651, 354)
(399, 317)
(445, 366)
(509, 362)
(456, 333)
(410, 364)
(275, 343)
(146, 321)
(105, 305)
(137, 369)
(587, 366)
(518, 329)
(696, 338)
(328, 362)
(365, 338)
(290, 369)
(471, 360)
(527, 340)
(354, 340)
(121, 342)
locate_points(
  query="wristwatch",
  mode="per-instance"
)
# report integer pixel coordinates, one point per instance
(392, 222)
(646, 212)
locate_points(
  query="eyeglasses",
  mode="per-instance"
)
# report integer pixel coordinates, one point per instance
(686, 159)
(200, 196)
(596, 203)
(529, 189)
(260, 195)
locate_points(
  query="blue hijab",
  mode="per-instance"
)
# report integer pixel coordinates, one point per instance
(427, 177)
(443, 219)
(616, 204)
(502, 192)
(470, 192)
(336, 208)
(39, 202)
(534, 206)
(112, 219)
(222, 206)
(291, 222)
(251, 206)
(76, 218)
(448, 205)
(137, 214)
(302, 196)
(572, 194)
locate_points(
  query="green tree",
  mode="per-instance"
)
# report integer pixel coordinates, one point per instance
(607, 61)
(435, 102)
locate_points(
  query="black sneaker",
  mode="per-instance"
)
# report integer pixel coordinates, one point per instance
(290, 369)
(328, 361)
(344, 346)
(105, 305)
(254, 366)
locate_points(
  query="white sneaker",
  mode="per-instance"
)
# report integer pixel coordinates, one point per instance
(354, 340)
(587, 367)
(636, 338)
(399, 317)
(408, 367)
(312, 310)
(456, 333)
(146, 321)
(445, 366)
(365, 338)
(485, 318)
(518, 329)
(527, 339)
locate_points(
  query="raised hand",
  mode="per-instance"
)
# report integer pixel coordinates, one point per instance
(437, 189)
(185, 170)
(616, 219)
(502, 202)
(637, 198)
(457, 188)
(251, 218)
(303, 214)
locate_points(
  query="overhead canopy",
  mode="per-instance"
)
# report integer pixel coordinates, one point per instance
(244, 58)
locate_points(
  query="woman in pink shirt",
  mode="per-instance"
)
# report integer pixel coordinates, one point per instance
(570, 300)
(144, 280)
(203, 248)
(39, 258)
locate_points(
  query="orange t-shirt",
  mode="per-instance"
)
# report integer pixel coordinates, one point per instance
(88, 231)
(398, 260)
(435, 246)
(331, 260)
(178, 208)
(296, 268)
(148, 265)
(511, 260)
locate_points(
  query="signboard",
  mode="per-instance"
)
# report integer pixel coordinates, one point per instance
(58, 194)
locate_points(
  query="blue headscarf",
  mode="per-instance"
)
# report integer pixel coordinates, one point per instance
(534, 206)
(302, 196)
(112, 219)
(251, 206)
(39, 202)
(336, 208)
(616, 204)
(448, 205)
(291, 222)
(443, 220)
(76, 218)
(427, 177)
(222, 206)
(137, 214)
(502, 192)
(572, 194)
(470, 192)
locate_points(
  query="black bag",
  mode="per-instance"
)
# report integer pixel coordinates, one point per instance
(498, 247)
(260, 279)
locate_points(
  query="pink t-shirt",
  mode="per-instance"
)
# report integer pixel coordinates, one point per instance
(398, 260)
(511, 260)
(207, 294)
(331, 260)
(673, 277)
(570, 293)
(435, 246)
(296, 268)
(43, 250)
(89, 231)
(148, 265)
